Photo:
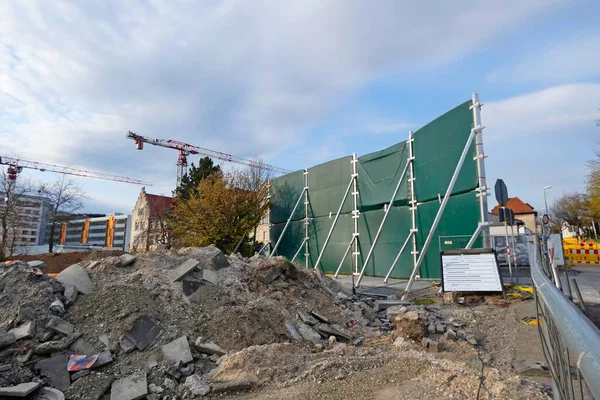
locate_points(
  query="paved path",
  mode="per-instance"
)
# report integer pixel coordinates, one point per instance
(376, 285)
(588, 280)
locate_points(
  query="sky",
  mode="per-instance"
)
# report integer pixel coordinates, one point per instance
(295, 84)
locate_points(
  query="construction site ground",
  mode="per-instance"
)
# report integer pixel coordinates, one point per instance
(192, 323)
(56, 262)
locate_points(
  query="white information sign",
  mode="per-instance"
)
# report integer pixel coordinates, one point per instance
(470, 273)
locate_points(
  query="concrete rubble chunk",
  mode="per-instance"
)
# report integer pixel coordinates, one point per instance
(126, 345)
(385, 304)
(25, 357)
(440, 328)
(233, 386)
(169, 383)
(75, 275)
(55, 369)
(358, 342)
(6, 339)
(395, 311)
(307, 319)
(21, 390)
(57, 307)
(271, 275)
(153, 396)
(461, 334)
(400, 342)
(61, 326)
(48, 393)
(213, 258)
(450, 335)
(309, 333)
(197, 385)
(79, 374)
(37, 264)
(341, 296)
(178, 350)
(431, 329)
(208, 347)
(471, 339)
(320, 317)
(105, 340)
(70, 295)
(132, 387)
(412, 315)
(293, 331)
(173, 373)
(184, 269)
(533, 368)
(24, 331)
(49, 347)
(81, 346)
(187, 370)
(210, 276)
(143, 333)
(434, 346)
(155, 388)
(190, 285)
(5, 367)
(425, 342)
(127, 259)
(104, 358)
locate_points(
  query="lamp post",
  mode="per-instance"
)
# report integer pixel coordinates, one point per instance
(545, 198)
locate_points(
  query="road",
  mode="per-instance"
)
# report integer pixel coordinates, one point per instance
(588, 280)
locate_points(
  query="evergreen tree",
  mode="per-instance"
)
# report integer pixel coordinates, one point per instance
(191, 180)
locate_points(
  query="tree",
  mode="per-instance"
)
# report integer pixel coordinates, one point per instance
(222, 211)
(593, 184)
(11, 215)
(66, 197)
(191, 180)
(574, 209)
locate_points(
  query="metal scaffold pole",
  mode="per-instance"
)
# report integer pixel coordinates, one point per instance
(480, 158)
(306, 220)
(355, 215)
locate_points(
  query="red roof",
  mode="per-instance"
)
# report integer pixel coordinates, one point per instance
(159, 205)
(517, 205)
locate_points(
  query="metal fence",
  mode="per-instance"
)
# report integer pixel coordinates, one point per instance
(570, 341)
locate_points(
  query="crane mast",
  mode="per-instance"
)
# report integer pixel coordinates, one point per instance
(186, 149)
(16, 165)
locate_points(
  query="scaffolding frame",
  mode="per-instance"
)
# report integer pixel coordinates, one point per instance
(418, 256)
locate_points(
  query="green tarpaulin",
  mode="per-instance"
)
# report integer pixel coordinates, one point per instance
(437, 149)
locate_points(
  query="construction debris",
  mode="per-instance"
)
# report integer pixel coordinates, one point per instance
(257, 323)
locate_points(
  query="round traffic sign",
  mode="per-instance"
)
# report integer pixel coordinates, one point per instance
(546, 219)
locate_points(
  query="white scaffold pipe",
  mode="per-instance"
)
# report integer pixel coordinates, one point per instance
(337, 271)
(397, 257)
(474, 237)
(438, 217)
(299, 249)
(387, 211)
(337, 215)
(480, 158)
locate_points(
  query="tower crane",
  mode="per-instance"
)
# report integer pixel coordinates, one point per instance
(186, 149)
(16, 165)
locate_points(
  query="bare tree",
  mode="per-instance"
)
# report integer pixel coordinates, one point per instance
(66, 197)
(11, 213)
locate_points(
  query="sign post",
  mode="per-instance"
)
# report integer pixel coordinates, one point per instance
(501, 192)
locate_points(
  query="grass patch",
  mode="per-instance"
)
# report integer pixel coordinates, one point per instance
(423, 302)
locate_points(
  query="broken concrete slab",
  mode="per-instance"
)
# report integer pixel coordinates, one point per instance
(127, 259)
(385, 304)
(70, 295)
(190, 285)
(197, 385)
(49, 347)
(178, 350)
(132, 387)
(208, 347)
(411, 315)
(271, 275)
(75, 275)
(48, 393)
(213, 258)
(126, 345)
(293, 331)
(59, 325)
(395, 311)
(433, 347)
(79, 374)
(307, 319)
(533, 368)
(105, 340)
(21, 390)
(210, 276)
(24, 331)
(45, 336)
(471, 339)
(450, 335)
(55, 369)
(104, 358)
(187, 370)
(184, 269)
(341, 331)
(25, 357)
(143, 333)
(232, 386)
(326, 331)
(6, 339)
(309, 333)
(57, 307)
(320, 317)
(37, 264)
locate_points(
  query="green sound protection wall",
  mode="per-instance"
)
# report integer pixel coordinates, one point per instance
(437, 149)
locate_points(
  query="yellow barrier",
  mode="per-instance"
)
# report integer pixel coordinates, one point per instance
(581, 251)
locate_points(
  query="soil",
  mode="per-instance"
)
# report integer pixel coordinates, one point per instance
(57, 262)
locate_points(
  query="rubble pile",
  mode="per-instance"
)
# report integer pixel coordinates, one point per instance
(159, 324)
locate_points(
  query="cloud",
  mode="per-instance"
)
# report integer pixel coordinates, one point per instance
(542, 138)
(574, 59)
(241, 77)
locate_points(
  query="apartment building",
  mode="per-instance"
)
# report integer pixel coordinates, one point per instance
(27, 219)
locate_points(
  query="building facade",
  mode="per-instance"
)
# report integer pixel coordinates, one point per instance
(149, 222)
(523, 212)
(111, 230)
(26, 219)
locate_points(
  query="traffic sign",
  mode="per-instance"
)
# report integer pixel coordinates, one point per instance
(511, 216)
(546, 219)
(501, 192)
